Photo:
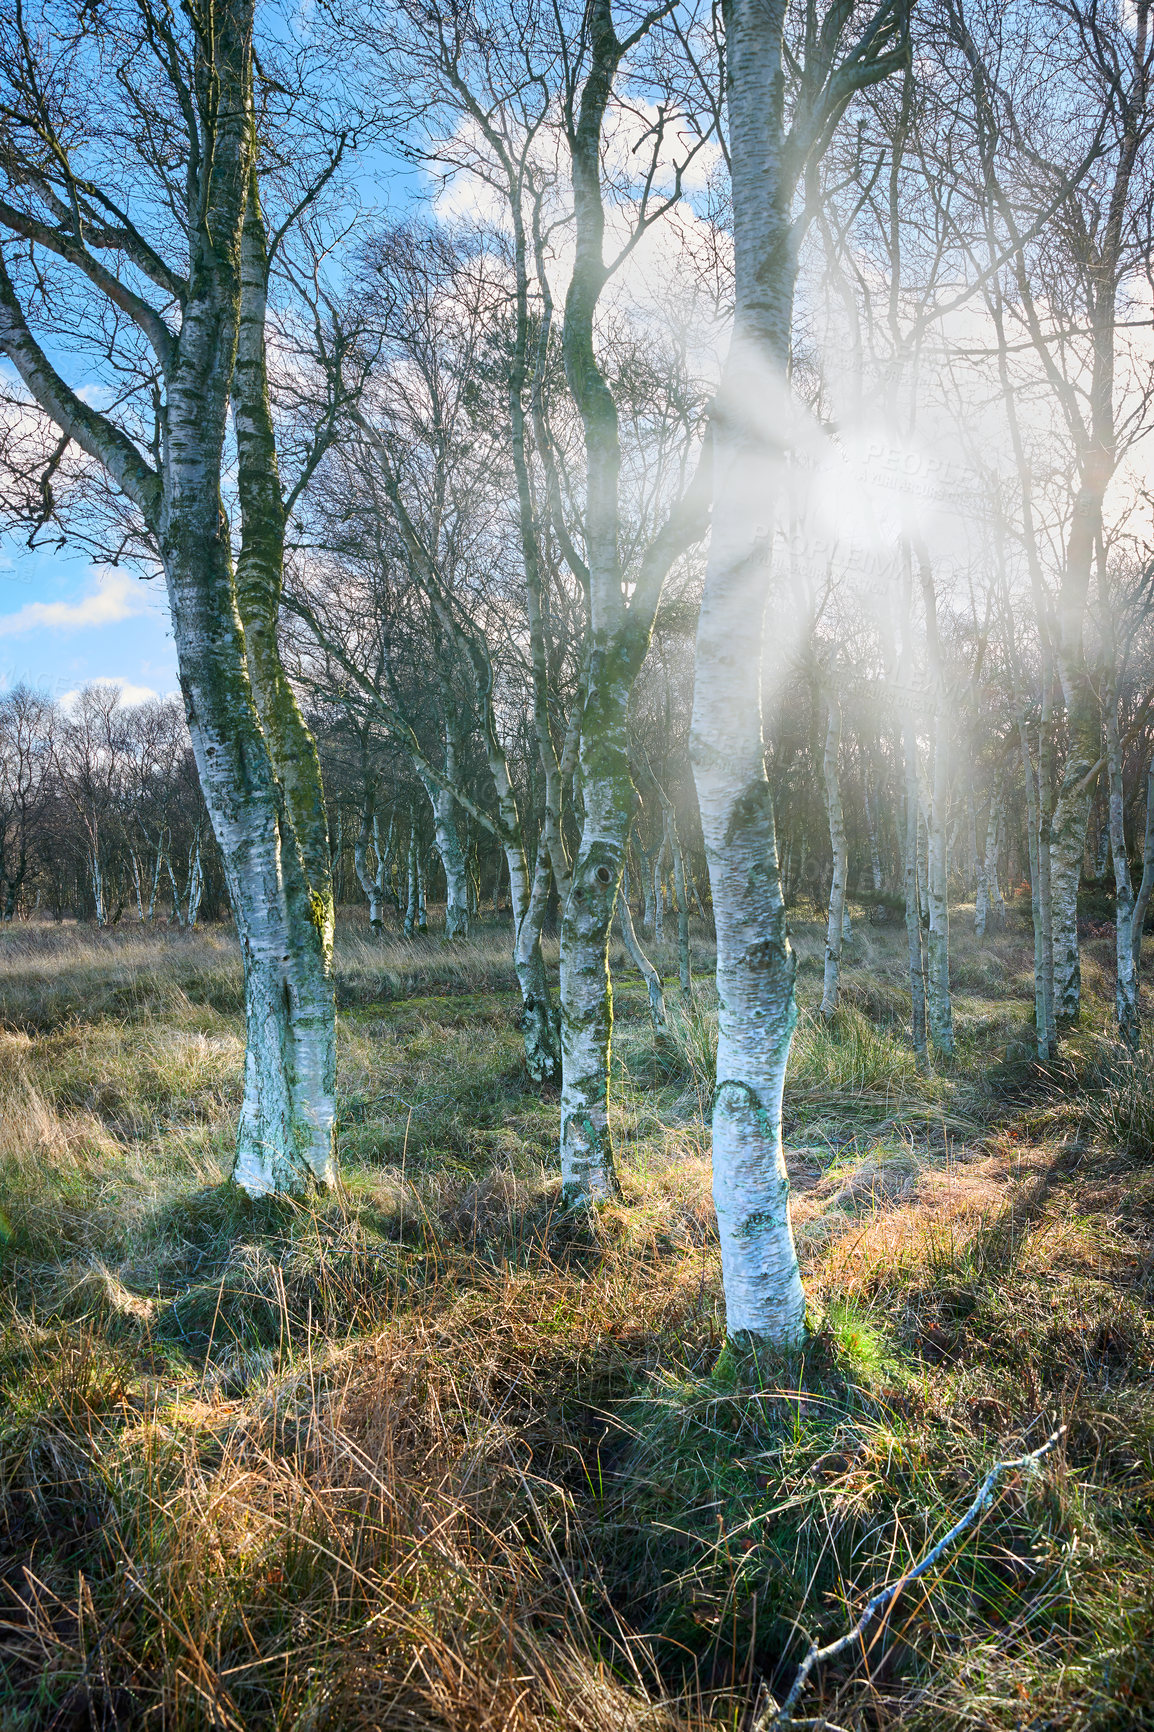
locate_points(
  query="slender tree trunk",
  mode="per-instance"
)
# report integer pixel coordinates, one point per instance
(642, 963)
(1125, 972)
(587, 1166)
(982, 898)
(648, 908)
(913, 896)
(177, 918)
(100, 912)
(283, 894)
(449, 837)
(620, 629)
(452, 859)
(1142, 901)
(672, 842)
(1040, 1021)
(757, 1009)
(539, 1020)
(384, 878)
(1068, 840)
(938, 938)
(1045, 880)
(684, 968)
(195, 883)
(973, 869)
(154, 890)
(937, 857)
(837, 837)
(411, 899)
(989, 893)
(875, 852)
(369, 880)
(659, 867)
(137, 885)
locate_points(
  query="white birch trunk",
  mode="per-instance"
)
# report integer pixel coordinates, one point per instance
(757, 1011)
(989, 895)
(177, 900)
(642, 963)
(448, 837)
(659, 885)
(684, 966)
(154, 890)
(1125, 972)
(224, 625)
(916, 962)
(619, 633)
(1040, 1019)
(1142, 900)
(368, 879)
(974, 871)
(195, 883)
(588, 1172)
(872, 833)
(539, 1020)
(385, 881)
(411, 897)
(648, 911)
(837, 837)
(940, 1010)
(283, 879)
(137, 885)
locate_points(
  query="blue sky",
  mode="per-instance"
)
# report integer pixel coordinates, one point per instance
(65, 621)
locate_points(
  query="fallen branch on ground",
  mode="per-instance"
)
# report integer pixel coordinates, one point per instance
(771, 1716)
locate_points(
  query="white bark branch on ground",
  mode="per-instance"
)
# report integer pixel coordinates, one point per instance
(772, 1716)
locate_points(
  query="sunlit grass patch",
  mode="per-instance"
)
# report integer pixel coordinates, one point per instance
(848, 1054)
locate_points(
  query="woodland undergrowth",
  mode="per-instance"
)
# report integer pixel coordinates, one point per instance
(433, 1454)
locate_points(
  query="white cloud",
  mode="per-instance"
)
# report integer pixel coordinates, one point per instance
(115, 596)
(128, 692)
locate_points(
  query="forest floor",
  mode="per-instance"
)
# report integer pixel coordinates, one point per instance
(436, 1455)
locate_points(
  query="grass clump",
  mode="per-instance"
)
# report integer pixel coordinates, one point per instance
(1120, 1110)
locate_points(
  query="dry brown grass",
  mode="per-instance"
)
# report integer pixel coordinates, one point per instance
(434, 1455)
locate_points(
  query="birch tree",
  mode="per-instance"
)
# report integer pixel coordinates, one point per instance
(772, 148)
(532, 108)
(130, 183)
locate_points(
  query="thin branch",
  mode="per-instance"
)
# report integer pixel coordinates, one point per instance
(881, 1601)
